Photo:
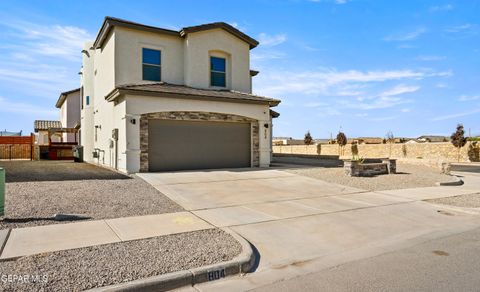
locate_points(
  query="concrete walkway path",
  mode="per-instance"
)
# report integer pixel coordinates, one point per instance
(55, 237)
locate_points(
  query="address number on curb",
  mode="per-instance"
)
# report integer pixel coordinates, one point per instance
(215, 275)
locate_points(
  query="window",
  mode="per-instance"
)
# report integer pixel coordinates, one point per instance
(218, 72)
(152, 64)
(87, 100)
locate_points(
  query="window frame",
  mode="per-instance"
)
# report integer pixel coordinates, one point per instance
(151, 64)
(215, 71)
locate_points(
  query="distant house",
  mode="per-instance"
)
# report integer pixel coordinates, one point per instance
(322, 141)
(277, 141)
(432, 139)
(41, 129)
(10, 134)
(366, 140)
(69, 104)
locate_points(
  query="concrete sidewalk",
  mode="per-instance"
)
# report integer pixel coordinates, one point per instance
(40, 239)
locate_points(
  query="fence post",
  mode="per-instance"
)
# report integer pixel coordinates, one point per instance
(31, 146)
(2, 191)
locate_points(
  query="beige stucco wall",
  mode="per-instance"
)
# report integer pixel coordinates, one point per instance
(437, 152)
(128, 55)
(137, 105)
(86, 113)
(200, 46)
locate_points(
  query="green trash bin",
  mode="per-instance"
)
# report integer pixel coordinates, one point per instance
(2, 191)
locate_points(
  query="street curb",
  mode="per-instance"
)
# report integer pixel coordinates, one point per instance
(457, 182)
(239, 265)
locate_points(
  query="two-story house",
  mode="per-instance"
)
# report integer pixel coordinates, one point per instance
(69, 104)
(155, 99)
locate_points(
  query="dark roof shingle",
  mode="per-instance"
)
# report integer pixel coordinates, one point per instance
(172, 90)
(42, 125)
(110, 22)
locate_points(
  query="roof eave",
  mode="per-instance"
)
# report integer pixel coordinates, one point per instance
(110, 22)
(114, 94)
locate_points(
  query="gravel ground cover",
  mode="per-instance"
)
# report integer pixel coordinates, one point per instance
(465, 201)
(75, 188)
(85, 268)
(408, 176)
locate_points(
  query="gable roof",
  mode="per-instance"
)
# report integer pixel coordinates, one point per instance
(111, 22)
(42, 125)
(63, 96)
(225, 26)
(162, 89)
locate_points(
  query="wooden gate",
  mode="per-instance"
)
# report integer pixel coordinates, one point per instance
(16, 147)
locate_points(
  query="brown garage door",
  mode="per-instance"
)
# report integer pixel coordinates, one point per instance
(183, 145)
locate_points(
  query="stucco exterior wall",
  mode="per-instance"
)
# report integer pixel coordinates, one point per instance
(128, 55)
(70, 114)
(86, 113)
(138, 105)
(200, 46)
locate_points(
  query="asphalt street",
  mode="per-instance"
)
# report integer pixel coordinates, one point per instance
(447, 264)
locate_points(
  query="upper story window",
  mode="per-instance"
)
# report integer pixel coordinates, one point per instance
(218, 76)
(152, 64)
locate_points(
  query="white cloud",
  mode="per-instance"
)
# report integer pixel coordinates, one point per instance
(330, 82)
(408, 36)
(25, 109)
(50, 40)
(469, 97)
(381, 102)
(460, 28)
(400, 89)
(457, 115)
(271, 40)
(430, 58)
(445, 7)
(441, 85)
(405, 110)
(262, 56)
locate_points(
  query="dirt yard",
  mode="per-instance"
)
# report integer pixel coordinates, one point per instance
(408, 176)
(36, 190)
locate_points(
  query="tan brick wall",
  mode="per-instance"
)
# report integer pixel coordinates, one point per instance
(435, 152)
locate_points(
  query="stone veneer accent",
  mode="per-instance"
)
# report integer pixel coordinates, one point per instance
(196, 116)
(357, 168)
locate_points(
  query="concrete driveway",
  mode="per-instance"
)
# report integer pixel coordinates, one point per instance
(300, 225)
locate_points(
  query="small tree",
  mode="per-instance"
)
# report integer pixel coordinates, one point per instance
(308, 138)
(342, 141)
(391, 140)
(458, 139)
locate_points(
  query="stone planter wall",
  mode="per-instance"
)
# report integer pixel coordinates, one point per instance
(355, 168)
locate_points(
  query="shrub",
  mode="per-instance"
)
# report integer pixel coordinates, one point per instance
(458, 138)
(308, 138)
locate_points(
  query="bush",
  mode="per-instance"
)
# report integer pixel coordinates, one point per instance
(308, 138)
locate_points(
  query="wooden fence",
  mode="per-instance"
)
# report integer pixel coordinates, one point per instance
(17, 147)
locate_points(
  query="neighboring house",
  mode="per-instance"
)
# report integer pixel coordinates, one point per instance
(69, 105)
(10, 134)
(287, 141)
(366, 140)
(432, 138)
(41, 129)
(155, 99)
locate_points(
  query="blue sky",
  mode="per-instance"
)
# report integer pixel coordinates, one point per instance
(366, 67)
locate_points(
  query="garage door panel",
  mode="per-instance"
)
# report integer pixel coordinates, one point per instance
(183, 145)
